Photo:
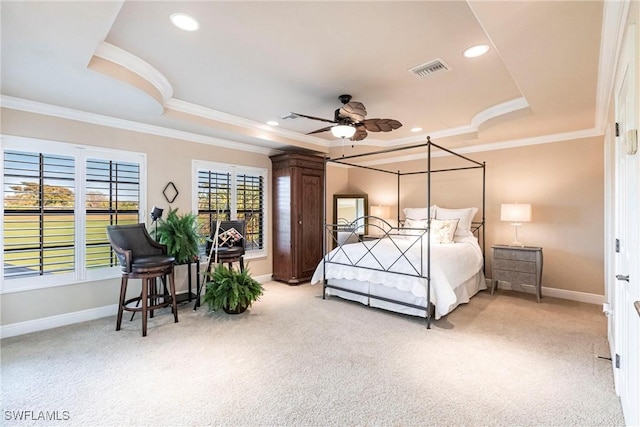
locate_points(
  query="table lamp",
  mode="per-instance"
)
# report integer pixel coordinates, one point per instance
(516, 214)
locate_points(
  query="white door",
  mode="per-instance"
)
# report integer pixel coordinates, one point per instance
(626, 341)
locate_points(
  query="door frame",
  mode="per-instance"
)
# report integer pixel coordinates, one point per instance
(621, 205)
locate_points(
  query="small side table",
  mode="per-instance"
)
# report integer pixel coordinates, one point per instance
(190, 294)
(517, 265)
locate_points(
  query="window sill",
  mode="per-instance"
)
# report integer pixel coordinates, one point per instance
(45, 282)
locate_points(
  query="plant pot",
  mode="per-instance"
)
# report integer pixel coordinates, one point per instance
(239, 309)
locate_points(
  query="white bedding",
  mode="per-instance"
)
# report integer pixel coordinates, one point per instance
(451, 266)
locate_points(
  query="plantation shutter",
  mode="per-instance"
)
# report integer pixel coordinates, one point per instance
(250, 207)
(39, 217)
(214, 198)
(232, 192)
(112, 197)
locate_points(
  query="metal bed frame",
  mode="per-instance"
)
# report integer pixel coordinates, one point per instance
(478, 227)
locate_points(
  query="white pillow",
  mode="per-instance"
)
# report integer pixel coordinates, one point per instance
(419, 213)
(443, 230)
(464, 215)
(414, 223)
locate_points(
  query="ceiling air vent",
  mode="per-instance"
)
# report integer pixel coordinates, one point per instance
(430, 68)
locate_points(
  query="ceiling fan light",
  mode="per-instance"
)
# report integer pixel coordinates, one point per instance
(343, 131)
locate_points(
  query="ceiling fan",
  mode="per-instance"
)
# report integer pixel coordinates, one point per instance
(349, 121)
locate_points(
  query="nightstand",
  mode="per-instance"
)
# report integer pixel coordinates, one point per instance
(517, 265)
(367, 237)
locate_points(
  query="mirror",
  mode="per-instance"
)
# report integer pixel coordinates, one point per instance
(349, 207)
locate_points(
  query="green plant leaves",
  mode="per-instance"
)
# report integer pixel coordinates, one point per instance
(179, 233)
(228, 288)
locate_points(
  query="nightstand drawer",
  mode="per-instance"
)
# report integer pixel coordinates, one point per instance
(514, 277)
(518, 266)
(518, 255)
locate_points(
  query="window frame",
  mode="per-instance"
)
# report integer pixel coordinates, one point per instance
(235, 170)
(80, 153)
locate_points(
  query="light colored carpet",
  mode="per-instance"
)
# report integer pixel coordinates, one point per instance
(295, 359)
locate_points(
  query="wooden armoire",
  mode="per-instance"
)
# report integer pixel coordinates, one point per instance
(298, 182)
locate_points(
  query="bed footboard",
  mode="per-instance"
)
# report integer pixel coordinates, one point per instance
(344, 236)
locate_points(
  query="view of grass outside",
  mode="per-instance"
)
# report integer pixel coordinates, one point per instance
(40, 211)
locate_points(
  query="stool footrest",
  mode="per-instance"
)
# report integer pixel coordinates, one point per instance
(166, 303)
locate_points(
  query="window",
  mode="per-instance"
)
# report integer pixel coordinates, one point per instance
(112, 197)
(57, 200)
(233, 192)
(39, 214)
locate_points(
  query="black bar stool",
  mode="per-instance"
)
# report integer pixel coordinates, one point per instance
(143, 258)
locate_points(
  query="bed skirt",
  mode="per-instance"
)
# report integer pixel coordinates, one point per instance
(463, 293)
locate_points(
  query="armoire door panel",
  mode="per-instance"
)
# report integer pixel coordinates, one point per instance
(298, 181)
(282, 224)
(311, 224)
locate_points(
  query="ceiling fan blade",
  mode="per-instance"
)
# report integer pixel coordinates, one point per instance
(353, 110)
(320, 130)
(381, 125)
(312, 117)
(361, 133)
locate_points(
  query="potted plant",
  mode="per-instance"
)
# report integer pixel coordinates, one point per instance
(180, 234)
(231, 290)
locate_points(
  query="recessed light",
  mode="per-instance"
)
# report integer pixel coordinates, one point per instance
(272, 123)
(416, 129)
(184, 22)
(477, 50)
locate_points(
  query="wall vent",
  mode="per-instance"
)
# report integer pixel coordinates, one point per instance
(430, 68)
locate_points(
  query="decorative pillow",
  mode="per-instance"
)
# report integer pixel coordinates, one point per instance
(443, 230)
(409, 224)
(464, 215)
(419, 213)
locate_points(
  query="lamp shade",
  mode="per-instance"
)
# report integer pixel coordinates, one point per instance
(515, 212)
(343, 131)
(380, 211)
(156, 213)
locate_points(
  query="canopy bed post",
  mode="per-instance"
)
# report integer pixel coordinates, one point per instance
(324, 228)
(484, 198)
(398, 201)
(429, 232)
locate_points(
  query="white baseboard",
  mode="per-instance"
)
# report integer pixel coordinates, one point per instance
(264, 278)
(51, 322)
(555, 293)
(35, 325)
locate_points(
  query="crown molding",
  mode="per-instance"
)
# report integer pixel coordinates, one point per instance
(472, 128)
(211, 114)
(146, 71)
(498, 110)
(98, 119)
(516, 143)
(136, 65)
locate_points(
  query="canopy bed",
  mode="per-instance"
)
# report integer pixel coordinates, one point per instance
(427, 265)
